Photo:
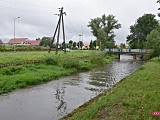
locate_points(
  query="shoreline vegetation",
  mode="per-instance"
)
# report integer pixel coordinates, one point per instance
(133, 98)
(19, 73)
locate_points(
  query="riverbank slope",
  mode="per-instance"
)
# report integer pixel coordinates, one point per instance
(23, 69)
(135, 97)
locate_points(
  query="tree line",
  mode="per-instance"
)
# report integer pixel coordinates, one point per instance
(46, 41)
(144, 34)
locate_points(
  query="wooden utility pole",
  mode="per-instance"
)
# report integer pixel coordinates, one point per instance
(58, 28)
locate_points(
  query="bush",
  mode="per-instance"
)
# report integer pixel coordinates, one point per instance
(95, 59)
(147, 57)
(71, 64)
(156, 59)
(51, 61)
(11, 70)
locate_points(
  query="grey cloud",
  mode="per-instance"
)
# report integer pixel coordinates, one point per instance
(38, 19)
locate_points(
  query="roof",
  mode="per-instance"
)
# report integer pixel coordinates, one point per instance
(33, 42)
(18, 40)
(1, 42)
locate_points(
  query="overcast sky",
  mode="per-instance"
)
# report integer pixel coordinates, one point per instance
(38, 19)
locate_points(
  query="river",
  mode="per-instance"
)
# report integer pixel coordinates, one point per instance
(57, 98)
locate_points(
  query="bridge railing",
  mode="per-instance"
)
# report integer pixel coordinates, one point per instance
(128, 50)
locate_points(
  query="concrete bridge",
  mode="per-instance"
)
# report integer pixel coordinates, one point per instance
(133, 52)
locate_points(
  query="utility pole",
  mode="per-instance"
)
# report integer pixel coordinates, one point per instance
(15, 32)
(58, 28)
(82, 33)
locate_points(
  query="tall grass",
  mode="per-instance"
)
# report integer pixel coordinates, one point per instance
(21, 76)
(26, 75)
(11, 57)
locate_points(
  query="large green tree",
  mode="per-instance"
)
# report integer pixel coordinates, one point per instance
(45, 41)
(153, 41)
(139, 31)
(103, 29)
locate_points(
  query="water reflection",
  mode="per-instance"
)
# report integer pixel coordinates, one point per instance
(57, 98)
(61, 108)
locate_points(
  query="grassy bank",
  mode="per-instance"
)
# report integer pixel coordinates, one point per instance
(11, 57)
(21, 76)
(134, 98)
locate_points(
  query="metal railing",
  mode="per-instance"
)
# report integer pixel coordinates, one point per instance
(116, 50)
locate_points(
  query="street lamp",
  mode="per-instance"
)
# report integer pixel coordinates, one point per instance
(82, 32)
(15, 30)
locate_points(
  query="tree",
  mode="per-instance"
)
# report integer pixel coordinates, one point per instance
(153, 41)
(64, 45)
(38, 39)
(74, 44)
(70, 44)
(95, 43)
(45, 41)
(80, 44)
(122, 45)
(103, 29)
(139, 31)
(91, 45)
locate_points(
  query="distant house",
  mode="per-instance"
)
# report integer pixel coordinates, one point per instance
(18, 41)
(1, 41)
(85, 47)
(33, 42)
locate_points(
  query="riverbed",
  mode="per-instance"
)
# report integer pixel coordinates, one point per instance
(57, 98)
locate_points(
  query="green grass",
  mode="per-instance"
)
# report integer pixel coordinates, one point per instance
(27, 75)
(134, 98)
(11, 57)
(21, 76)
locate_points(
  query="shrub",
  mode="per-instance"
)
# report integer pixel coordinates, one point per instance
(156, 59)
(71, 64)
(11, 70)
(51, 61)
(95, 59)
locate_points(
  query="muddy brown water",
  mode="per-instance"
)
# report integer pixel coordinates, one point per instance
(57, 98)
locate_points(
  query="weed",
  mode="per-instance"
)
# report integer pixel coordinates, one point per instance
(11, 70)
(71, 64)
(51, 61)
(94, 59)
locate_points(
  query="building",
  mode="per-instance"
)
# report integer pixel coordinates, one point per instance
(33, 42)
(23, 41)
(18, 41)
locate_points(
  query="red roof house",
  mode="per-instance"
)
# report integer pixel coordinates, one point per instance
(20, 41)
(32, 42)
